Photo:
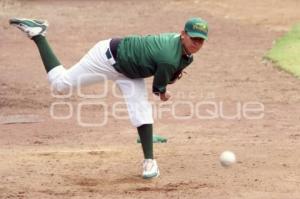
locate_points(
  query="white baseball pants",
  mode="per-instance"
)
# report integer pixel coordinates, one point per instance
(95, 67)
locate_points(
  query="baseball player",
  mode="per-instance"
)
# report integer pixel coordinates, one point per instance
(126, 61)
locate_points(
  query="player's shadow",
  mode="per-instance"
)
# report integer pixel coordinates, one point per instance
(133, 179)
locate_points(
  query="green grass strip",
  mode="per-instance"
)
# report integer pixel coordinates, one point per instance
(286, 52)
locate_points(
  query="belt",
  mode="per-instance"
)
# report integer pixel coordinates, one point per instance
(111, 52)
(113, 45)
(110, 57)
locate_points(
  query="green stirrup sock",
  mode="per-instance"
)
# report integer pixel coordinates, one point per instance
(145, 132)
(49, 59)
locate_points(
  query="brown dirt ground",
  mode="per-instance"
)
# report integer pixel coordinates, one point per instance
(60, 159)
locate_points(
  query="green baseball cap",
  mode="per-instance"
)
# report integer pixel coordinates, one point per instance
(197, 27)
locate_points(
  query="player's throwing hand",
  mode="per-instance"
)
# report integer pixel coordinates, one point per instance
(165, 96)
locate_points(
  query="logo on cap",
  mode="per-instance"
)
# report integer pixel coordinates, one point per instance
(200, 27)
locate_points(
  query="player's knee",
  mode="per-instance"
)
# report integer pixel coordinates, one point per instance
(59, 88)
(140, 114)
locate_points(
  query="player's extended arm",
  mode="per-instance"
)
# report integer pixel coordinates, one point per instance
(176, 76)
(161, 79)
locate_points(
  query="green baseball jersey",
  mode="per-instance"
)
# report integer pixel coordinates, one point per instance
(145, 56)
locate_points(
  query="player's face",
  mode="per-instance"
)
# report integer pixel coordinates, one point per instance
(191, 45)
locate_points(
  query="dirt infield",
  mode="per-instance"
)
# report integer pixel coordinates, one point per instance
(61, 159)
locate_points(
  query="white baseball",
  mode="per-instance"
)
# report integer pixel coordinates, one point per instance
(227, 158)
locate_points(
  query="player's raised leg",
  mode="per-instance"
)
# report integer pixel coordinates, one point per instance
(36, 30)
(93, 67)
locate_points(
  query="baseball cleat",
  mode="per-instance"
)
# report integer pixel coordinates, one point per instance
(31, 27)
(150, 169)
